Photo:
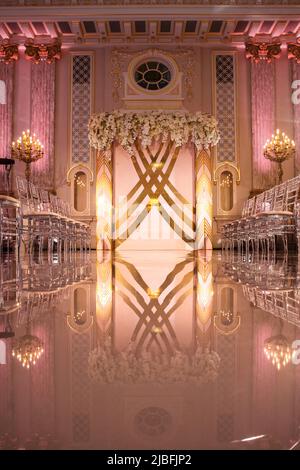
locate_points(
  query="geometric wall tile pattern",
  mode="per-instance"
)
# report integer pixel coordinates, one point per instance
(80, 387)
(81, 107)
(225, 106)
(226, 348)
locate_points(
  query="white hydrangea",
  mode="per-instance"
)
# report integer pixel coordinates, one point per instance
(126, 127)
(106, 366)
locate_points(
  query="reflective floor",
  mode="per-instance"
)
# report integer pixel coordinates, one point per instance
(149, 350)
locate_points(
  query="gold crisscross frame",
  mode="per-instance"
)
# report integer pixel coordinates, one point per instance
(154, 326)
(190, 221)
(154, 170)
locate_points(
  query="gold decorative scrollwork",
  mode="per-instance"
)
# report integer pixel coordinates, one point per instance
(257, 51)
(42, 52)
(8, 52)
(119, 57)
(294, 52)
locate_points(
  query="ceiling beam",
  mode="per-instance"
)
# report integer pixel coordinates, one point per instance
(3, 32)
(153, 29)
(229, 28)
(178, 29)
(203, 28)
(75, 27)
(27, 30)
(102, 30)
(51, 29)
(127, 29)
(254, 28)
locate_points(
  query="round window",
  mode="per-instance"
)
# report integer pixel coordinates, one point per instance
(152, 75)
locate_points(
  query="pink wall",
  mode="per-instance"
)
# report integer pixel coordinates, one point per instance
(202, 100)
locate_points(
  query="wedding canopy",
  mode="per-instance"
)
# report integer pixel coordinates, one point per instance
(158, 142)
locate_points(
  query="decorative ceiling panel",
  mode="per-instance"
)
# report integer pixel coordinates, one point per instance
(140, 22)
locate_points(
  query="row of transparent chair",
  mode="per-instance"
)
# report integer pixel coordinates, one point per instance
(266, 219)
(30, 289)
(9, 223)
(283, 304)
(46, 221)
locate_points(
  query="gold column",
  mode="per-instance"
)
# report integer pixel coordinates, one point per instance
(104, 293)
(104, 195)
(204, 289)
(204, 212)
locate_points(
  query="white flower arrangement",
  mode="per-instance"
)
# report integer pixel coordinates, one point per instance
(126, 127)
(106, 366)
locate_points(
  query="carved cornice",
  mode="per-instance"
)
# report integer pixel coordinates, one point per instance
(262, 51)
(127, 53)
(8, 52)
(42, 52)
(294, 52)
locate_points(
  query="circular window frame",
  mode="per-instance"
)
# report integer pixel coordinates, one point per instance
(156, 69)
(169, 62)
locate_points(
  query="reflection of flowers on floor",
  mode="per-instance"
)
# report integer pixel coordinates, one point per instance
(106, 366)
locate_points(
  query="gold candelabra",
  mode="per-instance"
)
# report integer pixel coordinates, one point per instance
(278, 351)
(227, 181)
(28, 349)
(279, 149)
(28, 149)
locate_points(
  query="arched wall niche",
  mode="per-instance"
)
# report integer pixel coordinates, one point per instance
(226, 191)
(226, 178)
(227, 319)
(80, 178)
(80, 317)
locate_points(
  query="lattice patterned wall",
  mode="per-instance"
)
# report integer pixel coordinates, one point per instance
(82, 79)
(224, 104)
(81, 392)
(226, 348)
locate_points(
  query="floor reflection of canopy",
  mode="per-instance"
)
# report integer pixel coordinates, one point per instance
(180, 345)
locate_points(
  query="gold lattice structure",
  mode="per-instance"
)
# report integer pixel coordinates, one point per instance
(155, 308)
(191, 221)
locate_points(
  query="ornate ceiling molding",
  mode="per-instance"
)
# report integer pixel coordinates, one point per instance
(8, 52)
(42, 52)
(262, 51)
(102, 9)
(146, 2)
